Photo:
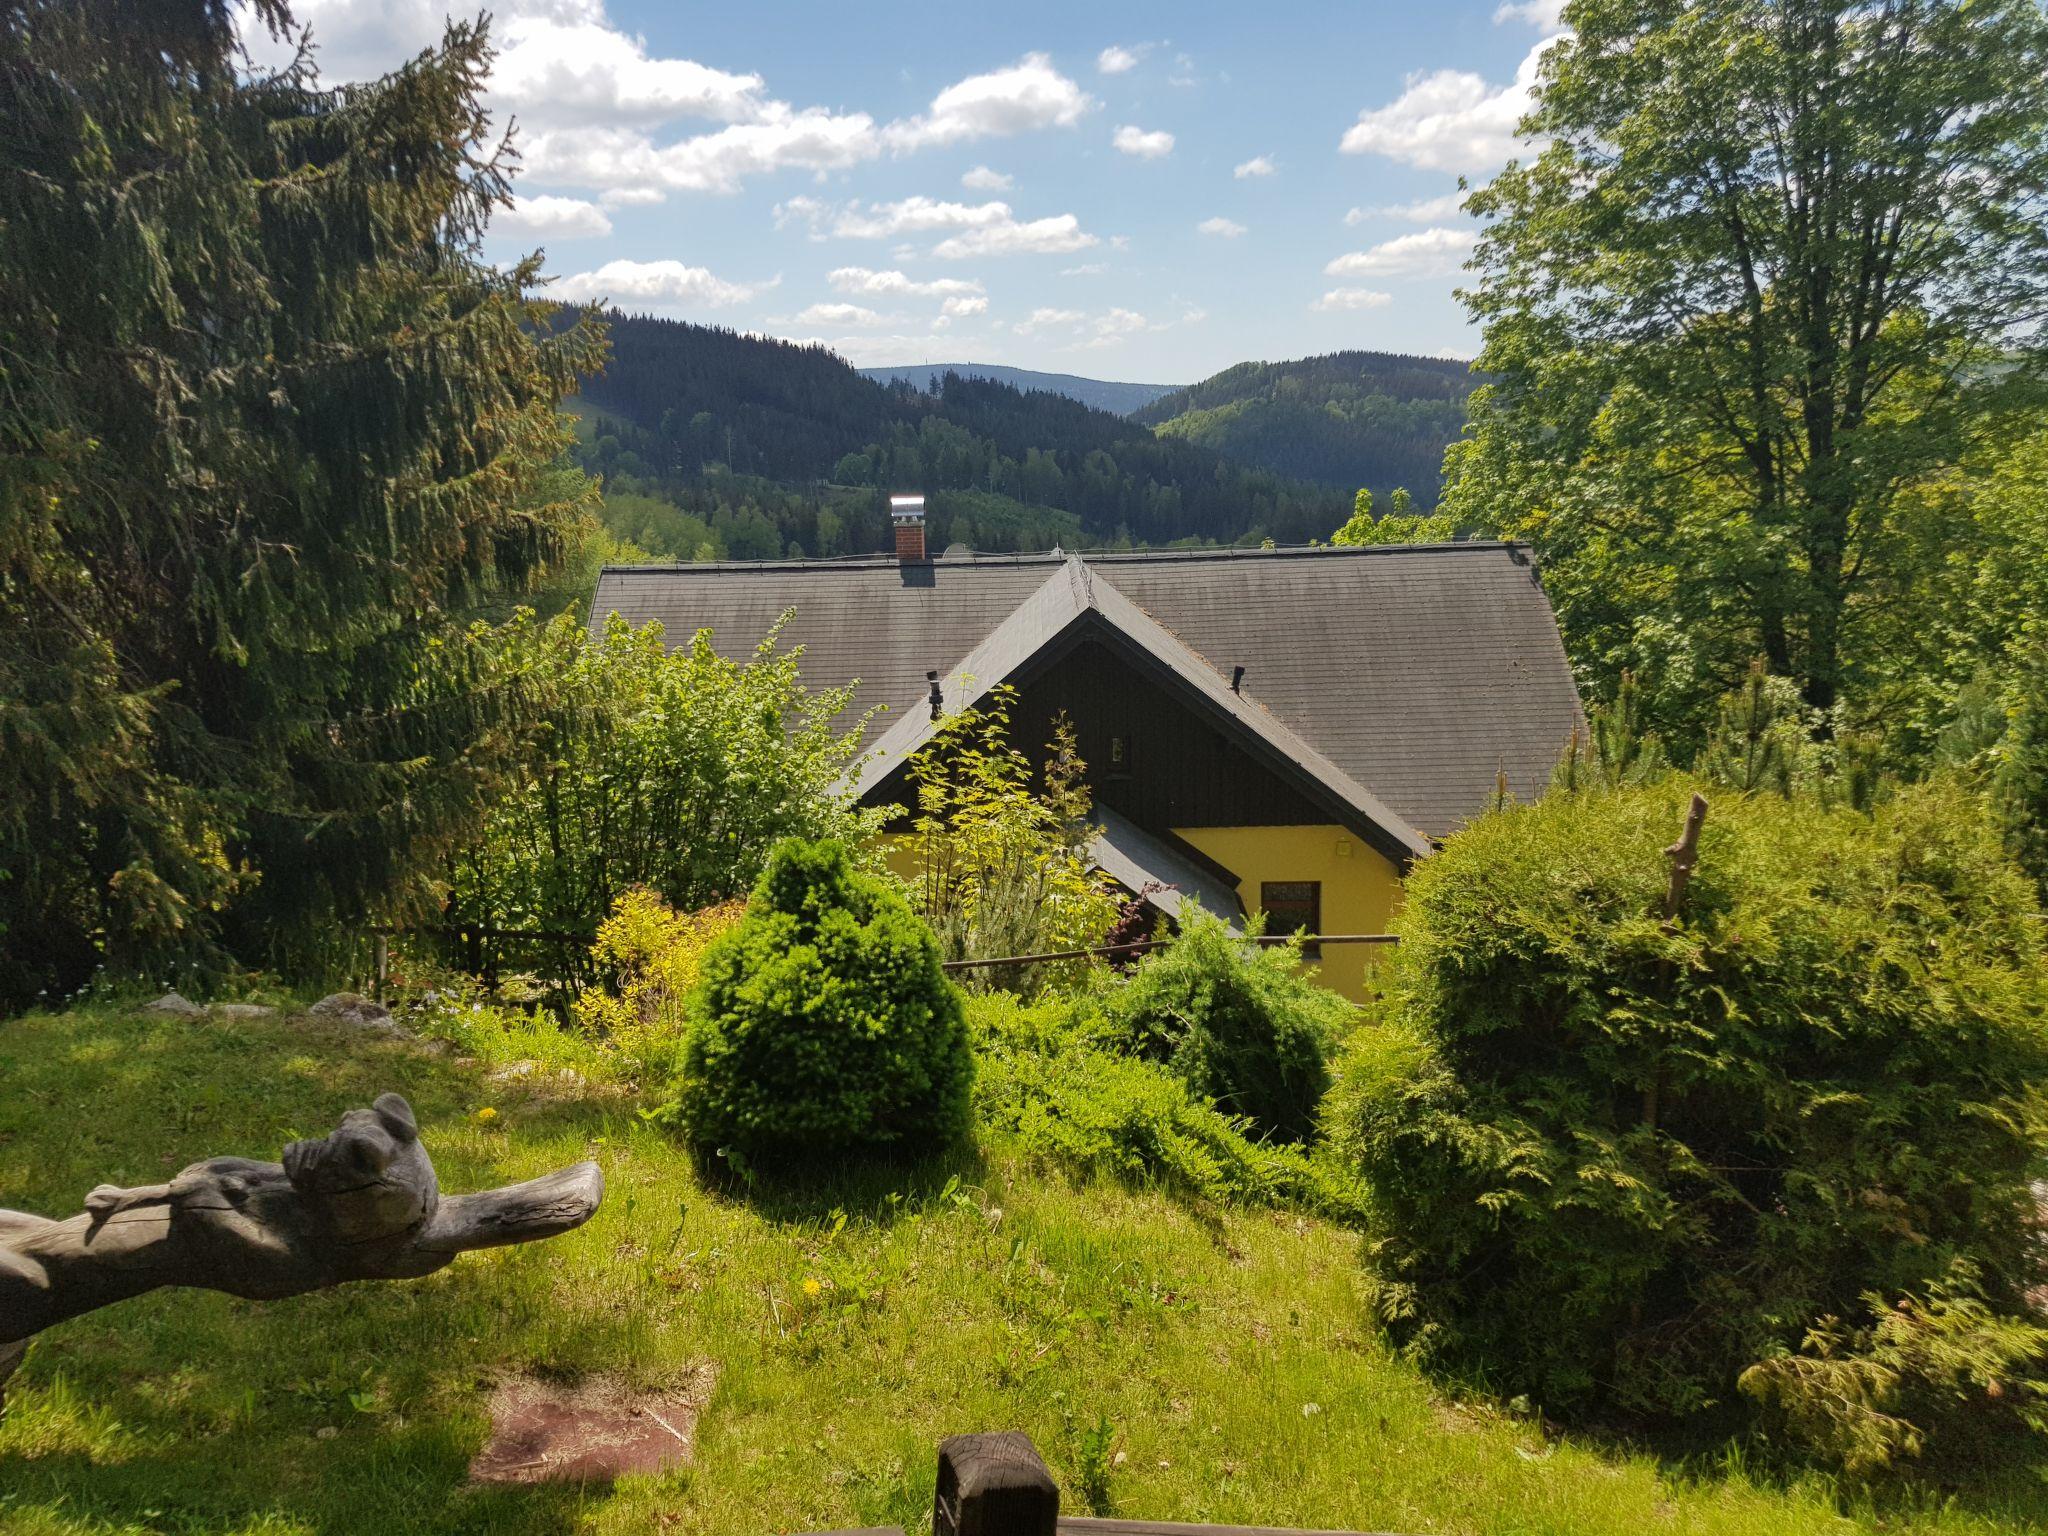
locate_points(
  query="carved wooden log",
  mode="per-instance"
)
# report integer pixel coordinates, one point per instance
(360, 1204)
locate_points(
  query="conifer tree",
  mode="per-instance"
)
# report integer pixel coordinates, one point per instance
(268, 423)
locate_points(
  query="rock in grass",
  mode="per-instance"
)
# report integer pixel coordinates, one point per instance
(354, 1008)
(173, 1004)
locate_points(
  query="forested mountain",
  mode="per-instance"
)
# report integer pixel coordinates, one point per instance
(1103, 394)
(1347, 419)
(711, 441)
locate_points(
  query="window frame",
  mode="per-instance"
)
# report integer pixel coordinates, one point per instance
(1312, 902)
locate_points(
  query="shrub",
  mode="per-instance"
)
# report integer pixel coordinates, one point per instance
(1042, 1081)
(1612, 1162)
(1859, 1397)
(655, 955)
(1240, 1024)
(673, 769)
(823, 1021)
(999, 853)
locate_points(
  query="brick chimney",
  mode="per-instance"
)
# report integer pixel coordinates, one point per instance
(907, 513)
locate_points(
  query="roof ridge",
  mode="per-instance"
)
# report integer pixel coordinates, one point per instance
(997, 559)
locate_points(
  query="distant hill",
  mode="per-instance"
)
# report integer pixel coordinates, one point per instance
(1103, 394)
(1347, 419)
(751, 448)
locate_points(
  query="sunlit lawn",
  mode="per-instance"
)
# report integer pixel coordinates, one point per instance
(1184, 1363)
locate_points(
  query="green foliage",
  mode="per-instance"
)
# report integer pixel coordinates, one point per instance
(1737, 323)
(999, 864)
(1399, 526)
(1757, 737)
(676, 770)
(1618, 747)
(1044, 1077)
(1612, 1161)
(1345, 419)
(822, 1023)
(253, 474)
(1241, 1024)
(2020, 757)
(1864, 1397)
(652, 956)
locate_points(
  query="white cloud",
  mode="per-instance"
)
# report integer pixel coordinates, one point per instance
(1449, 120)
(868, 282)
(980, 229)
(1230, 229)
(1353, 298)
(1426, 253)
(1547, 15)
(577, 69)
(666, 283)
(838, 314)
(1086, 269)
(591, 98)
(961, 308)
(916, 215)
(1424, 210)
(1053, 236)
(554, 218)
(813, 140)
(982, 179)
(1258, 165)
(1108, 328)
(1020, 98)
(632, 197)
(1155, 145)
(1116, 60)
(1047, 318)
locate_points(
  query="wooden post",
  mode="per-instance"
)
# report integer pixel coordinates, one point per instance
(381, 948)
(994, 1485)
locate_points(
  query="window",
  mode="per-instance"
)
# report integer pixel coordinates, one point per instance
(1119, 764)
(1294, 906)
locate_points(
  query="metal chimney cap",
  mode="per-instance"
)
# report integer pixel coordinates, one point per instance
(907, 509)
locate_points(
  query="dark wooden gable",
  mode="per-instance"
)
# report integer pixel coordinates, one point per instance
(1180, 770)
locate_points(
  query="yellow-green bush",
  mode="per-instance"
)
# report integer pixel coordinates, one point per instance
(1044, 1078)
(655, 955)
(1614, 1163)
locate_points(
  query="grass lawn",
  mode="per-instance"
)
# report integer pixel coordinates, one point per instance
(1190, 1363)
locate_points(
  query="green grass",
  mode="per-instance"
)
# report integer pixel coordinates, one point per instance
(1192, 1363)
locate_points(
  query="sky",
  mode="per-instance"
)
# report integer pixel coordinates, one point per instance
(1134, 191)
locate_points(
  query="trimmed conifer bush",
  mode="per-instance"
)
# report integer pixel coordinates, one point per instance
(822, 1022)
(1241, 1025)
(1615, 1163)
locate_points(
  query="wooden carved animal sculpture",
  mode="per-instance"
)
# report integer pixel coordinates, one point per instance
(359, 1204)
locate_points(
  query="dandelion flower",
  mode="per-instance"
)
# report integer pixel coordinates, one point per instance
(814, 1287)
(486, 1115)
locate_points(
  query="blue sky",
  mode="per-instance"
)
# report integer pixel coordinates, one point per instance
(1130, 191)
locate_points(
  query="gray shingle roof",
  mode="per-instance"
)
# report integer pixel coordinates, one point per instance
(1072, 596)
(1416, 671)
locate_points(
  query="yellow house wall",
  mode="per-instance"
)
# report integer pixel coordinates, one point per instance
(1361, 887)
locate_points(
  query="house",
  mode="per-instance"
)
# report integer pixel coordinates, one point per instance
(1283, 729)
